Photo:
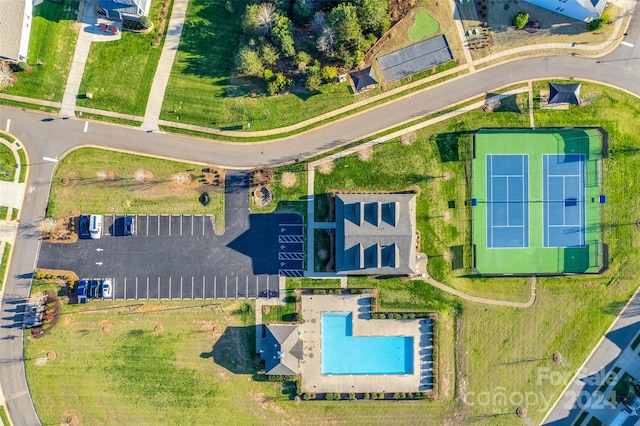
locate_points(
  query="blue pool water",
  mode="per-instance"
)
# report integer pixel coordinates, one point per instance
(343, 353)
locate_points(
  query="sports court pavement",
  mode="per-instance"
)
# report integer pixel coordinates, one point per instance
(180, 257)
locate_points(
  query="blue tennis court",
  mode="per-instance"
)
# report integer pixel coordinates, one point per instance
(507, 201)
(564, 200)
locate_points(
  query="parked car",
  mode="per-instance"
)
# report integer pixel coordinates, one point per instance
(129, 225)
(82, 291)
(105, 289)
(94, 289)
(95, 226)
(84, 226)
(107, 28)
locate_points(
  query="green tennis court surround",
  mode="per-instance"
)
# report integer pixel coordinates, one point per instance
(536, 201)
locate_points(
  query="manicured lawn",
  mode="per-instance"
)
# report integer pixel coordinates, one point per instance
(7, 137)
(119, 73)
(23, 164)
(3, 416)
(282, 312)
(124, 194)
(53, 39)
(7, 164)
(424, 26)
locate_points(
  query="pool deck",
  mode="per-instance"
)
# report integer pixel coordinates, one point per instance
(311, 367)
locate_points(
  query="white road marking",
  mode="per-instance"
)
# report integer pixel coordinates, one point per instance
(99, 263)
(147, 288)
(180, 288)
(136, 288)
(624, 43)
(125, 288)
(8, 125)
(53, 160)
(86, 126)
(170, 297)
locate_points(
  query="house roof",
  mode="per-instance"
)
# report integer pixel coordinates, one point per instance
(363, 78)
(376, 234)
(281, 349)
(129, 7)
(582, 10)
(564, 93)
(15, 27)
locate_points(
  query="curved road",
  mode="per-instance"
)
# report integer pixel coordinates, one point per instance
(54, 138)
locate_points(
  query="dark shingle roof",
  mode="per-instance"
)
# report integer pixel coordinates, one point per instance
(363, 78)
(564, 93)
(376, 234)
(281, 349)
(415, 58)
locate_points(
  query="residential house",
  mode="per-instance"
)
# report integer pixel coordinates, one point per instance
(15, 29)
(582, 10)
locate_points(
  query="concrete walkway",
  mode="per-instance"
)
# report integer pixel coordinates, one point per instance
(163, 72)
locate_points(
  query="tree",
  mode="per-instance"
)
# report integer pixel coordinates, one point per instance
(269, 54)
(520, 20)
(266, 16)
(302, 59)
(350, 42)
(6, 79)
(278, 84)
(303, 11)
(326, 41)
(373, 16)
(283, 37)
(248, 62)
(596, 24)
(250, 25)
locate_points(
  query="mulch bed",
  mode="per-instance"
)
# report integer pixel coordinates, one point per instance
(50, 320)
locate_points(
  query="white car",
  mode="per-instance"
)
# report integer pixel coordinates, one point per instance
(106, 288)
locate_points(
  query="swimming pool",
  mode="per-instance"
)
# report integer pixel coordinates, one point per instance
(343, 353)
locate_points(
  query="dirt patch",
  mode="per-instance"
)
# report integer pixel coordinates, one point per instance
(326, 167)
(447, 255)
(181, 179)
(143, 176)
(266, 310)
(224, 376)
(51, 356)
(408, 138)
(158, 329)
(265, 403)
(105, 326)
(366, 153)
(446, 216)
(71, 419)
(446, 176)
(262, 176)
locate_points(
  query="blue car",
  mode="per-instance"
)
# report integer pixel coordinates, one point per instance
(94, 289)
(83, 287)
(84, 226)
(129, 225)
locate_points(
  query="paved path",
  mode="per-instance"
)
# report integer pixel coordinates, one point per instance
(163, 72)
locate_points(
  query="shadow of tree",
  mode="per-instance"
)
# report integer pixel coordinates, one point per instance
(233, 350)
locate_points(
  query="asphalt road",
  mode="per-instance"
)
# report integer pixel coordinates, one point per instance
(53, 138)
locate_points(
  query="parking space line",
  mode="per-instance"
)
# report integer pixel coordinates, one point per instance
(125, 288)
(180, 225)
(180, 288)
(257, 292)
(291, 224)
(147, 288)
(203, 286)
(203, 225)
(147, 225)
(215, 281)
(236, 286)
(170, 216)
(158, 288)
(192, 288)
(192, 225)
(246, 293)
(226, 288)
(268, 290)
(136, 288)
(159, 217)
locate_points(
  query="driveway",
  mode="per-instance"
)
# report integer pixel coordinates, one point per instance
(180, 257)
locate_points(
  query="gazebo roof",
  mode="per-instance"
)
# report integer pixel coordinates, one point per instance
(564, 93)
(363, 78)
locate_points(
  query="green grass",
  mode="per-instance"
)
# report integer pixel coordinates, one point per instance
(281, 312)
(7, 164)
(581, 418)
(14, 214)
(3, 416)
(52, 43)
(119, 73)
(424, 25)
(84, 192)
(293, 199)
(123, 121)
(23, 165)
(7, 137)
(5, 263)
(311, 283)
(30, 106)
(3, 212)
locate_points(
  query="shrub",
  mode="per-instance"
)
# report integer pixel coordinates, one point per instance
(302, 59)
(268, 74)
(520, 20)
(23, 66)
(145, 22)
(366, 395)
(596, 24)
(355, 291)
(352, 396)
(248, 62)
(329, 73)
(332, 396)
(399, 395)
(269, 54)
(306, 396)
(380, 396)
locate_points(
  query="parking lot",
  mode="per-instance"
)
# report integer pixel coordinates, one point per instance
(180, 256)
